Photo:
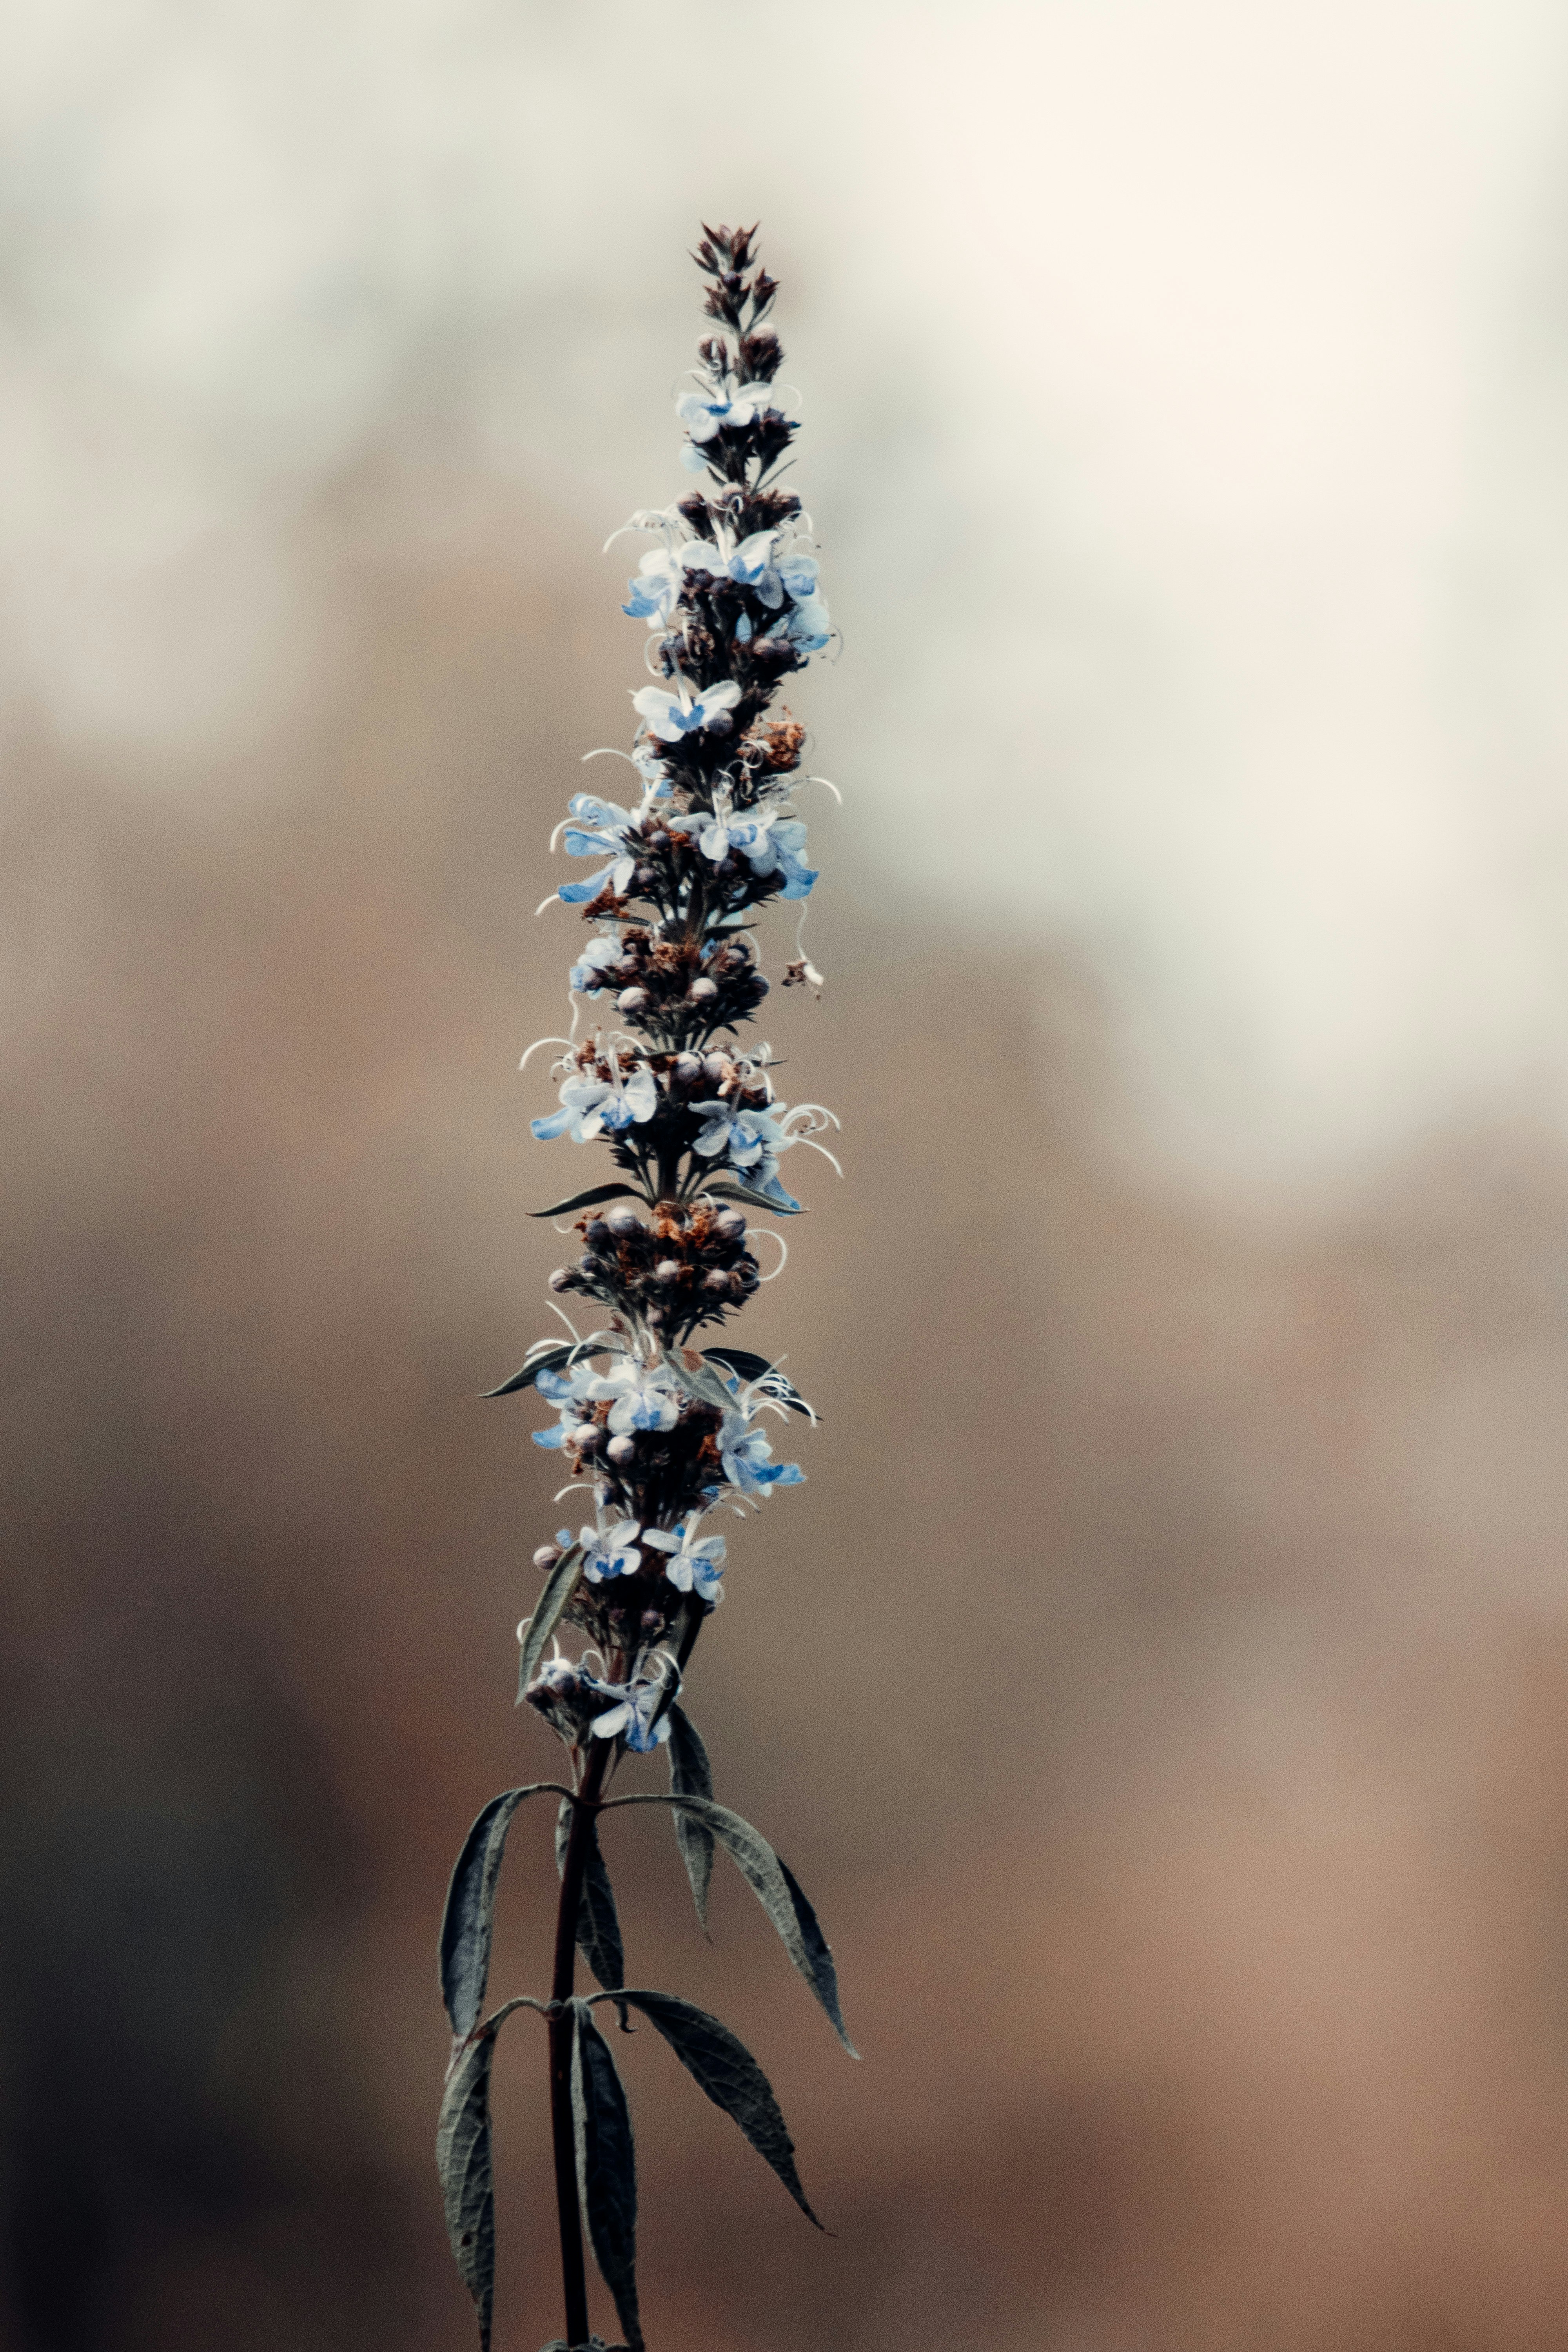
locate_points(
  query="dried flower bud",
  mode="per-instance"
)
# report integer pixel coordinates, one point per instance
(562, 1279)
(633, 1000)
(702, 992)
(668, 1269)
(622, 1222)
(622, 1450)
(545, 1558)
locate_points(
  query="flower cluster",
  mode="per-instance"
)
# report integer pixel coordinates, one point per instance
(660, 1433)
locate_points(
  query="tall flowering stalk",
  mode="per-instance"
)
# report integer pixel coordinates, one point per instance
(662, 1434)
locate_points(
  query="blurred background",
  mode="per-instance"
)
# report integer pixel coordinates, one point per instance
(1162, 1684)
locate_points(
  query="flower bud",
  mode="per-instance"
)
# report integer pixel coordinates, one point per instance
(622, 1450)
(759, 986)
(561, 1278)
(702, 992)
(643, 875)
(687, 1070)
(595, 1232)
(545, 1558)
(668, 1269)
(632, 999)
(714, 1068)
(622, 1222)
(587, 1438)
(716, 1281)
(729, 1226)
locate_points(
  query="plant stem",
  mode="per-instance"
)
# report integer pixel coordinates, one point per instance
(574, 2277)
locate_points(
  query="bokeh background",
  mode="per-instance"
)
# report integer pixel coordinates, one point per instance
(1162, 1684)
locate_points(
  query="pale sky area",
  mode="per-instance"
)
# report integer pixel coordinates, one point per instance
(1184, 387)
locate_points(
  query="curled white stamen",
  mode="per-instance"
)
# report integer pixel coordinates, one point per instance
(767, 1233)
(831, 786)
(567, 1320)
(553, 900)
(611, 751)
(536, 1044)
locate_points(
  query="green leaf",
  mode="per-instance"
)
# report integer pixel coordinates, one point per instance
(469, 1918)
(753, 1200)
(598, 1928)
(589, 1199)
(731, 2077)
(546, 1362)
(754, 1367)
(468, 2180)
(691, 1776)
(607, 2166)
(775, 1889)
(559, 1586)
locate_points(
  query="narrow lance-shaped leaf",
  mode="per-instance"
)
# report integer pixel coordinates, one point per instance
(726, 2070)
(607, 2167)
(559, 1586)
(691, 1776)
(464, 2164)
(589, 1199)
(544, 1362)
(469, 1918)
(774, 1887)
(468, 2182)
(752, 1199)
(598, 1927)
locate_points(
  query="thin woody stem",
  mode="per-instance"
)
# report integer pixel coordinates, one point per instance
(574, 2276)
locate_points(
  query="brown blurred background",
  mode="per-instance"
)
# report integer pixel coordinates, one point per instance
(1160, 1684)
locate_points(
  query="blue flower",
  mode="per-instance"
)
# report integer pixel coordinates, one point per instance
(770, 842)
(661, 576)
(753, 565)
(609, 1553)
(569, 1391)
(591, 1106)
(703, 413)
(631, 1716)
(808, 627)
(693, 1567)
(601, 831)
(645, 1396)
(747, 1458)
(797, 575)
(671, 716)
(746, 1136)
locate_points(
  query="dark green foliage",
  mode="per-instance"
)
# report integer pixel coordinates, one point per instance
(775, 1889)
(691, 1776)
(753, 1200)
(467, 2181)
(589, 1199)
(598, 1928)
(731, 2077)
(559, 1586)
(467, 1921)
(607, 2166)
(546, 1362)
